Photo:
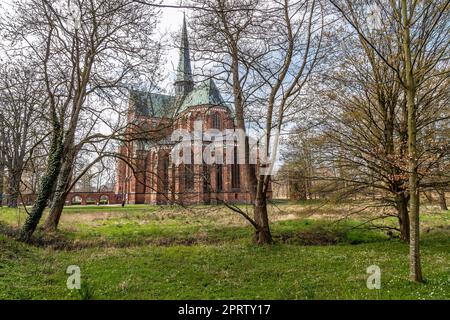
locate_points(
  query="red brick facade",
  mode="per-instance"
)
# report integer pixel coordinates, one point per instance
(150, 176)
(146, 172)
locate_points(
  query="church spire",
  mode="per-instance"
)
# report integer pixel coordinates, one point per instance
(184, 83)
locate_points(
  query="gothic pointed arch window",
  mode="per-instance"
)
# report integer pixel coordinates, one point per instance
(235, 171)
(216, 121)
(189, 178)
(206, 178)
(219, 178)
(165, 173)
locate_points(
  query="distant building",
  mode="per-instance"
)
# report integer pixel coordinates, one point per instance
(147, 174)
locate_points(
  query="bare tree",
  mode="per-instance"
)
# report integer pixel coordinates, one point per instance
(2, 168)
(265, 52)
(420, 31)
(21, 122)
(84, 48)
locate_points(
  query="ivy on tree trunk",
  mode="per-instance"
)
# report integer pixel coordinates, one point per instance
(45, 189)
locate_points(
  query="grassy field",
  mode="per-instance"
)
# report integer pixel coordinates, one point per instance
(205, 252)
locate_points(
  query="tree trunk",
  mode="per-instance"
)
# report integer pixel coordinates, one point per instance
(2, 179)
(60, 195)
(262, 233)
(403, 217)
(415, 270)
(442, 200)
(260, 214)
(13, 189)
(51, 224)
(414, 244)
(46, 186)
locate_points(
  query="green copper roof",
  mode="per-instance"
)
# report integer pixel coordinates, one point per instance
(164, 106)
(152, 104)
(184, 70)
(206, 93)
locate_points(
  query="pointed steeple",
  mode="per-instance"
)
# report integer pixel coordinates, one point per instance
(184, 83)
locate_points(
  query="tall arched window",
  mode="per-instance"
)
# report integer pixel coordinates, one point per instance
(235, 172)
(189, 174)
(165, 173)
(219, 180)
(216, 123)
(189, 177)
(206, 178)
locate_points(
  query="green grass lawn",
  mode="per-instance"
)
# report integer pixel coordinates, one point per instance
(205, 252)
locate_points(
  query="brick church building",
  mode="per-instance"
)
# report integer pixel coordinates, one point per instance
(146, 172)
